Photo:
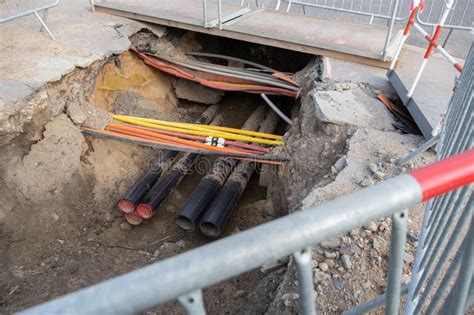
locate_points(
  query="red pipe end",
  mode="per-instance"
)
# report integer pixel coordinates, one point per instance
(445, 175)
(133, 219)
(126, 206)
(144, 211)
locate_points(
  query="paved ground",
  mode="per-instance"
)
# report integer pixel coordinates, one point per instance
(29, 58)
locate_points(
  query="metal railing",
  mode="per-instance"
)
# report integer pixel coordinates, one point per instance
(459, 18)
(381, 9)
(389, 10)
(14, 9)
(182, 277)
(221, 19)
(447, 236)
(460, 14)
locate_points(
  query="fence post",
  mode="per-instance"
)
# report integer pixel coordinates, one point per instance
(457, 299)
(305, 281)
(390, 28)
(442, 20)
(395, 269)
(43, 25)
(219, 13)
(193, 303)
(204, 12)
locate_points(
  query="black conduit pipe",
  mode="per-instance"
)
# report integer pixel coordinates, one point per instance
(221, 207)
(213, 181)
(149, 204)
(130, 199)
(165, 184)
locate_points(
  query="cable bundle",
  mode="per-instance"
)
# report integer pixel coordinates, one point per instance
(191, 137)
(224, 78)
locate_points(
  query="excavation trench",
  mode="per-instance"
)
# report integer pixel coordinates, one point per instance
(60, 221)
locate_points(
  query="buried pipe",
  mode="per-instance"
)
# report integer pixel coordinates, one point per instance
(213, 181)
(133, 218)
(148, 206)
(221, 207)
(128, 201)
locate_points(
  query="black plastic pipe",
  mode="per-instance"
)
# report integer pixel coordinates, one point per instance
(165, 184)
(149, 204)
(130, 199)
(221, 207)
(213, 181)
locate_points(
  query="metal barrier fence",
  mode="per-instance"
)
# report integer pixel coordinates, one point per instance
(221, 19)
(460, 14)
(390, 10)
(459, 18)
(381, 9)
(14, 9)
(447, 236)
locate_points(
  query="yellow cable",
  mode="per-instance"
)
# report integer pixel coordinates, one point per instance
(197, 132)
(183, 126)
(156, 122)
(223, 130)
(243, 132)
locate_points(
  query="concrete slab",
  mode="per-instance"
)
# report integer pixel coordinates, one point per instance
(433, 90)
(347, 71)
(343, 40)
(29, 59)
(352, 107)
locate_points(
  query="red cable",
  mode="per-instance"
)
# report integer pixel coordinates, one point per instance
(203, 139)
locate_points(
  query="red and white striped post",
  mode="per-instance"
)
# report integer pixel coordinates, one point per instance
(439, 27)
(415, 5)
(438, 47)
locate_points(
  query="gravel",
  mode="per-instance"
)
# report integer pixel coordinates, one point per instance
(338, 284)
(346, 261)
(372, 226)
(330, 255)
(376, 243)
(323, 266)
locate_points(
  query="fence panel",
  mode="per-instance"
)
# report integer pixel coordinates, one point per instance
(381, 9)
(14, 9)
(445, 244)
(460, 17)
